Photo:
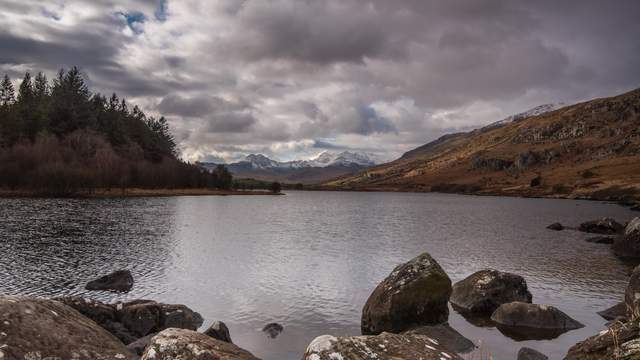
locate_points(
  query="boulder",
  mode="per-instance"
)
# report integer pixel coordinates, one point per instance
(601, 240)
(616, 312)
(47, 329)
(415, 293)
(522, 321)
(530, 354)
(606, 226)
(118, 281)
(482, 292)
(556, 227)
(273, 330)
(635, 208)
(172, 344)
(384, 346)
(620, 341)
(138, 346)
(446, 336)
(628, 244)
(219, 330)
(632, 293)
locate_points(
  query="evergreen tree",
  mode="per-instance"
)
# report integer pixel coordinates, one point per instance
(7, 92)
(40, 87)
(25, 92)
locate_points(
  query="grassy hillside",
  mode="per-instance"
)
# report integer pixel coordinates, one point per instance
(587, 150)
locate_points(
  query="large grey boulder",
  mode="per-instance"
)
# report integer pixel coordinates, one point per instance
(385, 346)
(118, 281)
(628, 244)
(446, 336)
(606, 226)
(482, 292)
(632, 293)
(182, 344)
(415, 293)
(523, 321)
(620, 341)
(45, 329)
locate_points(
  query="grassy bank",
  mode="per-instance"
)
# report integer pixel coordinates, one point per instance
(134, 192)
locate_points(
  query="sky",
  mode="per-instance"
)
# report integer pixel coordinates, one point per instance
(292, 78)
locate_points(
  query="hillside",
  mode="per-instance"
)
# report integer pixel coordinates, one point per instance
(586, 150)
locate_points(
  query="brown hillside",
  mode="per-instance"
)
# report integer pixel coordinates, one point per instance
(587, 150)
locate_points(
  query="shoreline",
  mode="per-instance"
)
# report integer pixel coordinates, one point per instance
(132, 193)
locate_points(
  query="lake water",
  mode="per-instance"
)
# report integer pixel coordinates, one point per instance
(309, 260)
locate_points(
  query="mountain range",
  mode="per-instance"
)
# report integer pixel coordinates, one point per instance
(326, 166)
(586, 150)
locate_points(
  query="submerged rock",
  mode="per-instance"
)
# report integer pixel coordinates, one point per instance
(273, 330)
(118, 281)
(522, 321)
(616, 312)
(219, 330)
(415, 293)
(47, 329)
(385, 346)
(607, 226)
(628, 245)
(556, 227)
(601, 240)
(446, 336)
(620, 341)
(482, 292)
(530, 354)
(173, 344)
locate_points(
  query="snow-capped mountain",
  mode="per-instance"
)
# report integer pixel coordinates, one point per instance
(324, 159)
(538, 110)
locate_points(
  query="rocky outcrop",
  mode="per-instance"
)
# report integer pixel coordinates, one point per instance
(601, 240)
(491, 164)
(118, 281)
(628, 244)
(620, 341)
(482, 292)
(219, 331)
(606, 226)
(384, 346)
(415, 293)
(173, 344)
(522, 321)
(273, 330)
(530, 354)
(136, 319)
(446, 336)
(556, 227)
(46, 329)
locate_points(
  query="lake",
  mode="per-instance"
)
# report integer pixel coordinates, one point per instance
(309, 260)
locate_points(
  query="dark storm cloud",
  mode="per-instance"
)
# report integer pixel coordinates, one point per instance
(280, 75)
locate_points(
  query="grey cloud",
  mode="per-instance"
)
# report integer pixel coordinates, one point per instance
(230, 122)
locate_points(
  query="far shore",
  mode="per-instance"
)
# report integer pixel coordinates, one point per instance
(132, 192)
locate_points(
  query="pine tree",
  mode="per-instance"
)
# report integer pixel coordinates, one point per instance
(41, 86)
(7, 93)
(25, 92)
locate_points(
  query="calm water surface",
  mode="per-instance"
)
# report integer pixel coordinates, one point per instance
(309, 260)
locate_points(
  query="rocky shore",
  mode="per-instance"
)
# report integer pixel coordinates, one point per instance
(405, 317)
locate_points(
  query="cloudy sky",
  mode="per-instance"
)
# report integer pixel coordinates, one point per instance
(291, 78)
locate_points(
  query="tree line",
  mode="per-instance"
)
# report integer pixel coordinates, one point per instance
(57, 137)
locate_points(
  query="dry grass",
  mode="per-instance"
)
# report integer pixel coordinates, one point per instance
(135, 192)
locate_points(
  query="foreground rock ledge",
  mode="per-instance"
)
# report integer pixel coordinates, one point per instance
(46, 329)
(621, 341)
(628, 245)
(415, 293)
(482, 292)
(172, 344)
(385, 346)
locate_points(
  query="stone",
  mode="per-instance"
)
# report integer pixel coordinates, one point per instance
(628, 244)
(118, 281)
(635, 208)
(47, 329)
(556, 227)
(632, 293)
(601, 240)
(219, 330)
(173, 344)
(385, 346)
(138, 346)
(415, 293)
(446, 336)
(482, 292)
(526, 353)
(523, 321)
(616, 312)
(620, 341)
(273, 330)
(605, 226)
